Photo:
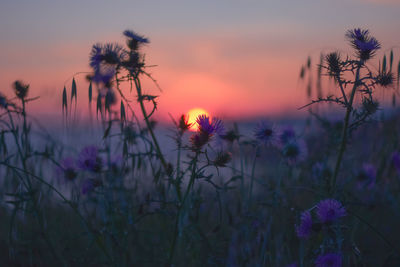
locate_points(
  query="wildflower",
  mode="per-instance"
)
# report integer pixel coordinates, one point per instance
(286, 135)
(330, 210)
(104, 77)
(21, 89)
(209, 127)
(89, 185)
(68, 169)
(385, 78)
(230, 136)
(184, 124)
(206, 131)
(3, 102)
(305, 228)
(89, 159)
(266, 133)
(222, 159)
(334, 64)
(366, 176)
(134, 39)
(113, 54)
(294, 151)
(365, 45)
(329, 260)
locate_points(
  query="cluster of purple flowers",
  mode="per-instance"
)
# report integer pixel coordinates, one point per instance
(293, 149)
(328, 211)
(88, 160)
(207, 129)
(365, 45)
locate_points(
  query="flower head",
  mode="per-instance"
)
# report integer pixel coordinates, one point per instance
(385, 78)
(21, 89)
(222, 159)
(89, 185)
(266, 133)
(329, 260)
(286, 135)
(134, 39)
(305, 228)
(334, 64)
(89, 159)
(183, 124)
(210, 127)
(68, 169)
(365, 45)
(294, 151)
(330, 210)
(3, 101)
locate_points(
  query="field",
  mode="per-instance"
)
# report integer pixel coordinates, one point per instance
(120, 189)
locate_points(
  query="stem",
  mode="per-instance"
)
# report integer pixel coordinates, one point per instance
(146, 118)
(345, 130)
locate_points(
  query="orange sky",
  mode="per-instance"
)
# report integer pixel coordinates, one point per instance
(232, 65)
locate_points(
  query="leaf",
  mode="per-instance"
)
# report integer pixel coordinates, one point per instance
(90, 92)
(99, 105)
(384, 64)
(123, 115)
(73, 90)
(64, 101)
(309, 62)
(302, 72)
(391, 59)
(394, 100)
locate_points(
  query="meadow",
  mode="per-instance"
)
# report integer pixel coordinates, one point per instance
(318, 191)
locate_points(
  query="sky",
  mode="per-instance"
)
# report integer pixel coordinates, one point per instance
(236, 59)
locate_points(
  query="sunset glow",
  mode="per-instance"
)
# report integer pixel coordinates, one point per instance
(192, 116)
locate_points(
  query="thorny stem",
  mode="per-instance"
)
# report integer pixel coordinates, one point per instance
(345, 129)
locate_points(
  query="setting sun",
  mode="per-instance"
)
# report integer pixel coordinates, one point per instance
(192, 116)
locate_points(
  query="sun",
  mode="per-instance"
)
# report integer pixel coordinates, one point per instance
(192, 116)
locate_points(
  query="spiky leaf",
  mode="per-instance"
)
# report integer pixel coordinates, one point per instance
(123, 115)
(73, 90)
(99, 105)
(90, 92)
(391, 59)
(64, 101)
(384, 64)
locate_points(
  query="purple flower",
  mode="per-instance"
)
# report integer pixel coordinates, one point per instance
(367, 176)
(396, 160)
(89, 185)
(266, 133)
(329, 260)
(286, 135)
(365, 45)
(305, 228)
(68, 169)
(210, 127)
(294, 151)
(330, 210)
(132, 35)
(89, 159)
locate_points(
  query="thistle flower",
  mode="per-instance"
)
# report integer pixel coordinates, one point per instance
(206, 131)
(365, 45)
(330, 210)
(286, 135)
(334, 64)
(366, 176)
(183, 124)
(294, 151)
(68, 169)
(385, 78)
(89, 159)
(304, 230)
(266, 133)
(89, 185)
(134, 39)
(222, 159)
(3, 101)
(20, 89)
(230, 136)
(210, 127)
(329, 260)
